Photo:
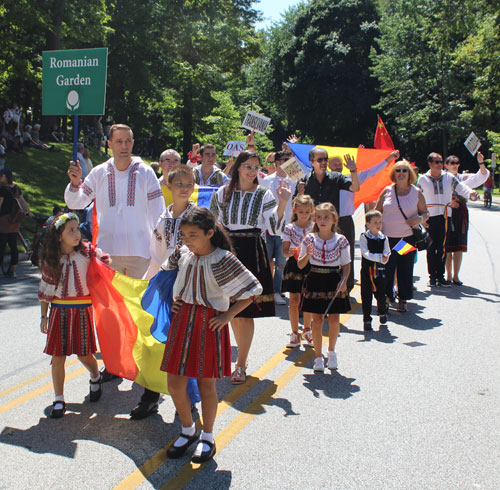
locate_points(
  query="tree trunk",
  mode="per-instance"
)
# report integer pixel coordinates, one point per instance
(187, 118)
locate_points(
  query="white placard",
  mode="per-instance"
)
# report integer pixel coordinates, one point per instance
(257, 122)
(293, 169)
(472, 143)
(234, 148)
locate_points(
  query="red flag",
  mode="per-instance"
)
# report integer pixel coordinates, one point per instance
(382, 139)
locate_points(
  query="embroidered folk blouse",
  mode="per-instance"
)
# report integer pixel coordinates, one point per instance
(73, 281)
(257, 209)
(330, 253)
(293, 234)
(214, 280)
(166, 236)
(128, 203)
(216, 178)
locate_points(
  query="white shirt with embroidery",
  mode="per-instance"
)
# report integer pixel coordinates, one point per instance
(214, 280)
(438, 192)
(166, 236)
(294, 234)
(257, 209)
(329, 253)
(128, 204)
(272, 183)
(216, 178)
(73, 280)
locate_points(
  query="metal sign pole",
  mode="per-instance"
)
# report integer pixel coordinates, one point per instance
(75, 137)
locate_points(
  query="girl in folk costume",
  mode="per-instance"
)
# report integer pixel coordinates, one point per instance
(70, 324)
(246, 210)
(212, 286)
(329, 256)
(293, 277)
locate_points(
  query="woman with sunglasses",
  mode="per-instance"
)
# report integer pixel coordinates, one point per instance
(246, 210)
(456, 240)
(402, 206)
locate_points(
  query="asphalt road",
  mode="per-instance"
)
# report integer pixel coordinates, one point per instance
(413, 406)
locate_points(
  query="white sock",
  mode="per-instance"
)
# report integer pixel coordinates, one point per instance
(201, 446)
(58, 398)
(186, 433)
(94, 380)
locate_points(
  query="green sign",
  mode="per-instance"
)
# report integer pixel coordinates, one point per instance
(74, 81)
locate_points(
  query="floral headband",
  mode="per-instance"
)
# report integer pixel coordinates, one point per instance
(65, 217)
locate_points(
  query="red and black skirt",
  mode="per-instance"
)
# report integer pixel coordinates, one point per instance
(458, 227)
(319, 289)
(193, 349)
(251, 250)
(71, 327)
(293, 276)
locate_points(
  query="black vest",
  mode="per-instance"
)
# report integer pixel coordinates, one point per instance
(375, 246)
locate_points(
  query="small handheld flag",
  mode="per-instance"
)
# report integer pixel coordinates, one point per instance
(403, 248)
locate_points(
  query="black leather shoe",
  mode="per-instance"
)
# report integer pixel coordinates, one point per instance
(107, 376)
(176, 452)
(144, 409)
(205, 455)
(58, 413)
(94, 396)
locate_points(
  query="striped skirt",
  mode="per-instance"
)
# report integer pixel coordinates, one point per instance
(193, 349)
(71, 327)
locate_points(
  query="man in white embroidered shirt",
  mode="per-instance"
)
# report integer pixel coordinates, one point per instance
(129, 202)
(437, 187)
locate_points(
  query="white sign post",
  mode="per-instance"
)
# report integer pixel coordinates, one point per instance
(257, 122)
(493, 161)
(472, 143)
(234, 148)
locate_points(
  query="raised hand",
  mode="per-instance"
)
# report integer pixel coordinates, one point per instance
(284, 190)
(350, 163)
(196, 149)
(75, 173)
(293, 138)
(251, 139)
(480, 158)
(393, 156)
(301, 188)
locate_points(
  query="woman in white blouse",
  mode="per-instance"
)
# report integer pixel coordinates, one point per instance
(247, 210)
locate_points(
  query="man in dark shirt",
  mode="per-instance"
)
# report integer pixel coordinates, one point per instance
(325, 186)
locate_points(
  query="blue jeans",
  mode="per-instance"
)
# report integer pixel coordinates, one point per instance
(275, 251)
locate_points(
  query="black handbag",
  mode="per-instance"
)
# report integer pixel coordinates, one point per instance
(422, 238)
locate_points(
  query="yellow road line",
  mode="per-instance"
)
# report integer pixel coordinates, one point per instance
(190, 470)
(159, 458)
(33, 380)
(39, 391)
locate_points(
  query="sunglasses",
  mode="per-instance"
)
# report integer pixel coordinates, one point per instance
(321, 160)
(453, 163)
(401, 170)
(439, 162)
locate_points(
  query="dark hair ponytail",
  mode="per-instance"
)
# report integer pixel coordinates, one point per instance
(204, 219)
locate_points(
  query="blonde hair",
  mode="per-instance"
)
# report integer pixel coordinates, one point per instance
(412, 176)
(302, 200)
(326, 206)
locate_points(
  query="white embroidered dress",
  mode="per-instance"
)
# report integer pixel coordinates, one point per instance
(257, 209)
(128, 203)
(327, 253)
(214, 280)
(295, 235)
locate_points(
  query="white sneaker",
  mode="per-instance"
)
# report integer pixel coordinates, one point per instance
(307, 337)
(278, 299)
(294, 340)
(332, 360)
(319, 364)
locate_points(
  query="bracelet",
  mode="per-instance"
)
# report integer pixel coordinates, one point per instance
(43, 316)
(352, 171)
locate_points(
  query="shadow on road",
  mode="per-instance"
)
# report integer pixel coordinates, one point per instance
(331, 384)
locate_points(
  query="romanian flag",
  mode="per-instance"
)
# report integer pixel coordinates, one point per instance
(132, 320)
(365, 158)
(382, 139)
(403, 248)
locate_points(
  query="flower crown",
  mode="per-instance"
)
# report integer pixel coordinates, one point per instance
(65, 217)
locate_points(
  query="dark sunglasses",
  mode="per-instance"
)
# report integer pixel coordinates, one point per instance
(453, 163)
(438, 161)
(321, 160)
(403, 170)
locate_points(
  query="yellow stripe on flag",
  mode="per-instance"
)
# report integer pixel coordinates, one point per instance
(340, 152)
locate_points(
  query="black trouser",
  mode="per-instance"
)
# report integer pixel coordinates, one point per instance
(367, 294)
(346, 228)
(404, 265)
(11, 240)
(435, 257)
